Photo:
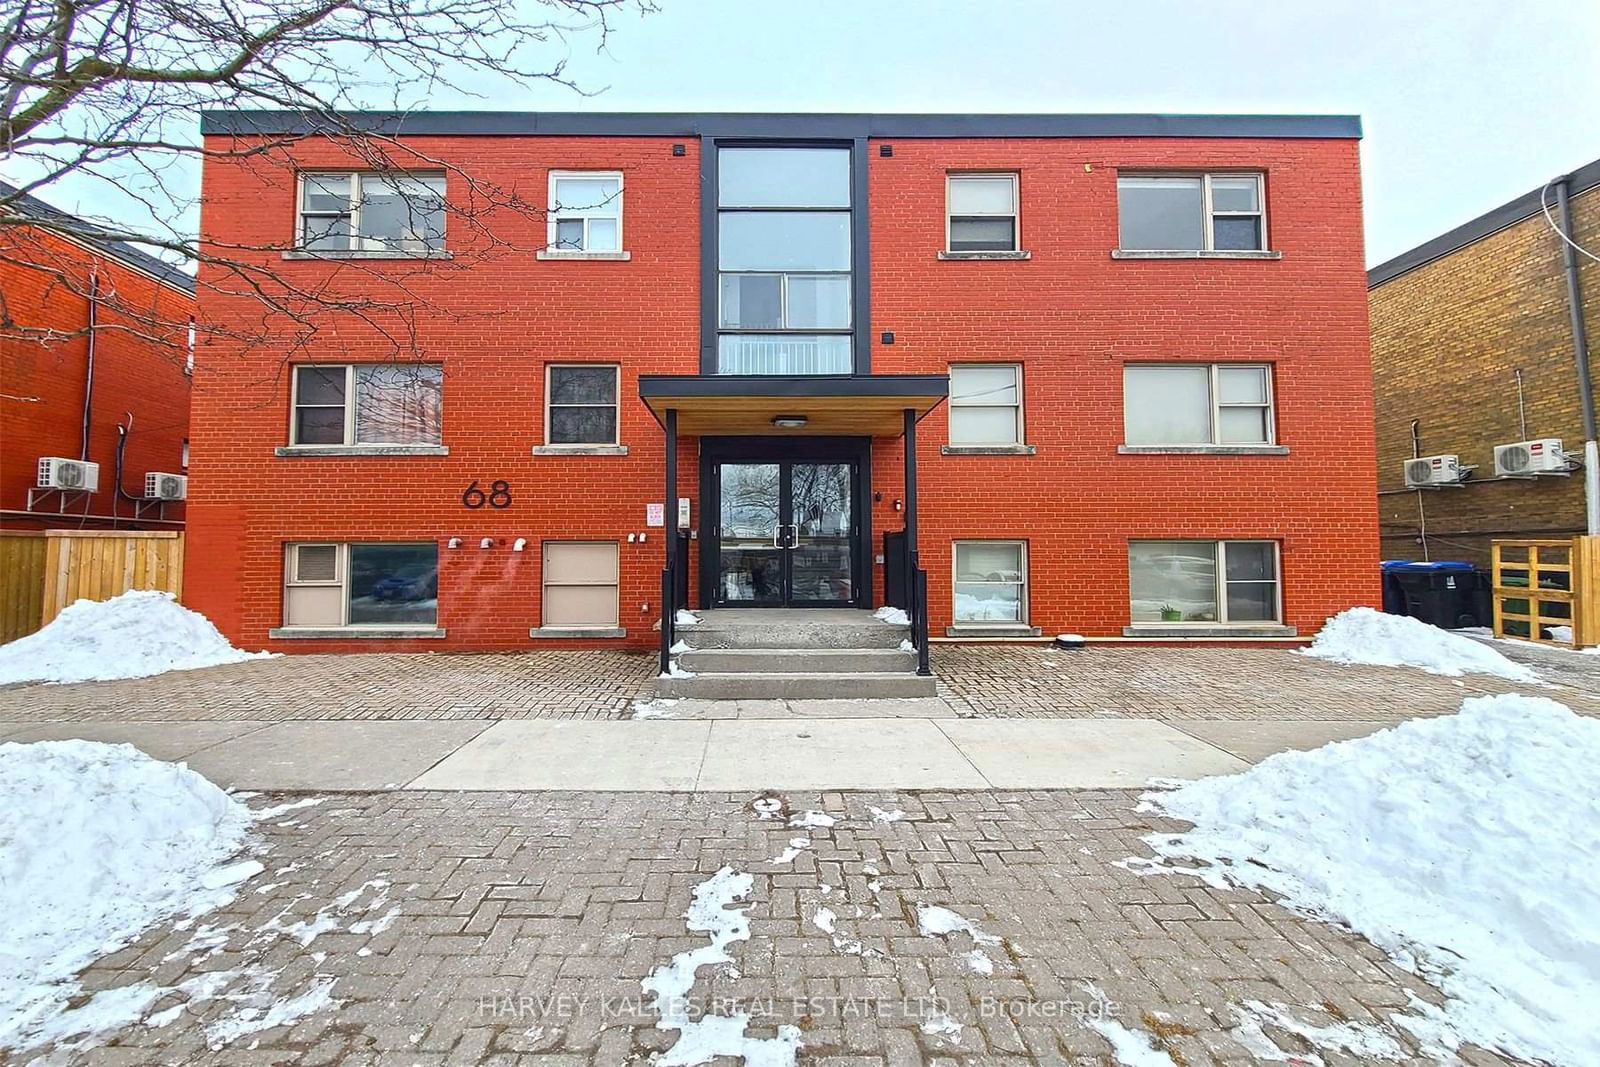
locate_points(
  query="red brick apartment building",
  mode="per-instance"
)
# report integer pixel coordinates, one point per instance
(1093, 373)
(94, 382)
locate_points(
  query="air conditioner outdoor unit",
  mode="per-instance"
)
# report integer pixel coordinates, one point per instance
(71, 474)
(159, 486)
(1527, 458)
(1432, 470)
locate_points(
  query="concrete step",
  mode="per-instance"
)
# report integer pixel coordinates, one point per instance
(857, 685)
(791, 628)
(797, 660)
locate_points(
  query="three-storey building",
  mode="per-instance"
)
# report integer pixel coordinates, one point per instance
(1093, 373)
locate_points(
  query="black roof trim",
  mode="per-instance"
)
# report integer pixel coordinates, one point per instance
(795, 386)
(92, 234)
(1525, 206)
(737, 124)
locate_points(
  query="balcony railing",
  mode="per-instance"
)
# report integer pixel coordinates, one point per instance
(777, 354)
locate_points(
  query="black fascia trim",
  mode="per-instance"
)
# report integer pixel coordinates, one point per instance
(724, 124)
(860, 258)
(1523, 207)
(652, 386)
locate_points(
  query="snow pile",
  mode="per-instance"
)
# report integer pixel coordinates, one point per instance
(134, 635)
(934, 921)
(1467, 847)
(701, 1040)
(97, 843)
(892, 616)
(1365, 636)
(684, 617)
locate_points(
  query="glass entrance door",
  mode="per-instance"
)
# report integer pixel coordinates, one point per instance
(786, 534)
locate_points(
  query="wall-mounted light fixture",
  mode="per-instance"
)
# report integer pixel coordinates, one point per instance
(789, 422)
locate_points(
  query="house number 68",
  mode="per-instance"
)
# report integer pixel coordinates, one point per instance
(498, 496)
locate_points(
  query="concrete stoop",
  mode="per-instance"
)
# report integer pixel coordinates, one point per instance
(796, 654)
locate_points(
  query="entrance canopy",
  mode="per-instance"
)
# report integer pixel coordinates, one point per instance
(738, 404)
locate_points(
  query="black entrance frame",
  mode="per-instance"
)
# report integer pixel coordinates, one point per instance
(854, 450)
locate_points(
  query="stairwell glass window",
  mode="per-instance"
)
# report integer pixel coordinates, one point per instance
(1197, 404)
(388, 212)
(986, 404)
(991, 582)
(784, 261)
(585, 211)
(1192, 213)
(981, 212)
(367, 404)
(581, 404)
(356, 585)
(1203, 582)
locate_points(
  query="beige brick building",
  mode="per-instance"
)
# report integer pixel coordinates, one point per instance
(1472, 347)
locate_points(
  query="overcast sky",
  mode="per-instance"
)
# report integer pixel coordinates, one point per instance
(1467, 103)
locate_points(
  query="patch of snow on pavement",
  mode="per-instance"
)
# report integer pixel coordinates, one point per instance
(977, 962)
(892, 616)
(879, 815)
(679, 648)
(906, 645)
(712, 912)
(812, 819)
(135, 635)
(941, 1025)
(1365, 1043)
(1366, 636)
(277, 810)
(934, 921)
(1132, 1048)
(98, 843)
(685, 618)
(280, 1012)
(1464, 846)
(653, 709)
(797, 845)
(676, 670)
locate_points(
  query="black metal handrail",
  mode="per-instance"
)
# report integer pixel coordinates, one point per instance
(918, 611)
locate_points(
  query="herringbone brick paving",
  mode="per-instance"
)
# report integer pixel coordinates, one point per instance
(525, 923)
(977, 680)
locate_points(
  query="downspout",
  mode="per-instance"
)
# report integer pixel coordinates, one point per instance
(1580, 353)
(88, 381)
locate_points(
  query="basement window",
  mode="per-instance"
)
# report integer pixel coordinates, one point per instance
(991, 583)
(361, 585)
(1204, 582)
(398, 213)
(367, 404)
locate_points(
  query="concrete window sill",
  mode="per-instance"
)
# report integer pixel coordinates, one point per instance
(594, 257)
(986, 450)
(580, 450)
(1013, 255)
(547, 632)
(1203, 450)
(1161, 253)
(1179, 629)
(297, 451)
(435, 254)
(973, 630)
(355, 633)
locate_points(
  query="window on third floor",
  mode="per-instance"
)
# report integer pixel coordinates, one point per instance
(399, 213)
(585, 212)
(1191, 213)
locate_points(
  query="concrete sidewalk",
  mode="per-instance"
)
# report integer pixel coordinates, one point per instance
(704, 755)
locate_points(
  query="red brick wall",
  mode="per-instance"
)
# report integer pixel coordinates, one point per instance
(1073, 317)
(138, 369)
(494, 316)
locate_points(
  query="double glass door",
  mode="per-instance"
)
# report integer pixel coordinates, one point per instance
(786, 533)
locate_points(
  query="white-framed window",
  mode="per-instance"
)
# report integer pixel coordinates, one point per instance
(981, 213)
(396, 212)
(581, 403)
(991, 582)
(1197, 404)
(1214, 583)
(580, 585)
(585, 211)
(986, 404)
(338, 584)
(367, 404)
(1192, 212)
(185, 454)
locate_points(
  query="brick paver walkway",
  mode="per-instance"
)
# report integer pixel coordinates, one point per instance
(977, 680)
(502, 928)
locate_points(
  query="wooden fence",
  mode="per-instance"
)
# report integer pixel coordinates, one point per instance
(44, 572)
(1547, 591)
